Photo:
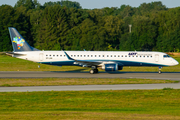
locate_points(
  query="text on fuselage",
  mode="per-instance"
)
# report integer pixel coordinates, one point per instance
(132, 54)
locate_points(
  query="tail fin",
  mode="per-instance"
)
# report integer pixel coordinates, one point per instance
(18, 42)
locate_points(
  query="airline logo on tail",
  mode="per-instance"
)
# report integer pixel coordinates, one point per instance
(19, 41)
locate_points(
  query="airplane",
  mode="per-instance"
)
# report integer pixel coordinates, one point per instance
(105, 60)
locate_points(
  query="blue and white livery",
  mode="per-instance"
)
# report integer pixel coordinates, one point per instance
(106, 60)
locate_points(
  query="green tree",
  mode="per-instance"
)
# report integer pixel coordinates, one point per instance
(6, 18)
(66, 3)
(146, 31)
(11, 17)
(53, 29)
(113, 26)
(29, 4)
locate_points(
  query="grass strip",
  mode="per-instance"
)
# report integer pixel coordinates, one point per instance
(126, 104)
(9, 82)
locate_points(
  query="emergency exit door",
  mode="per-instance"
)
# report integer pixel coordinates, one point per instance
(41, 56)
(156, 58)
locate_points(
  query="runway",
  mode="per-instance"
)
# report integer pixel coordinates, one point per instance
(91, 87)
(59, 74)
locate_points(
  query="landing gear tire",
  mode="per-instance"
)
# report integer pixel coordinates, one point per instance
(91, 71)
(159, 72)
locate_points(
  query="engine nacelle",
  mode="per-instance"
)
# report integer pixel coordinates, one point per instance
(110, 67)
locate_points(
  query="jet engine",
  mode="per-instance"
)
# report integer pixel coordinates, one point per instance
(111, 67)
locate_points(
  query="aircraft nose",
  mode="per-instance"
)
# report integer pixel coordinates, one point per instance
(175, 62)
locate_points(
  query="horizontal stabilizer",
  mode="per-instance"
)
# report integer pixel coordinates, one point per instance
(12, 53)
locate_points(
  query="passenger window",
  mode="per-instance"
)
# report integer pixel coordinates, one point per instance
(84, 55)
(103, 56)
(81, 55)
(99, 55)
(87, 55)
(125, 55)
(91, 55)
(114, 55)
(107, 55)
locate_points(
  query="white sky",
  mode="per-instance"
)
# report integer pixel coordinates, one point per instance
(91, 4)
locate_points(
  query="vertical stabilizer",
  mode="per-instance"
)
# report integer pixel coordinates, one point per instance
(18, 42)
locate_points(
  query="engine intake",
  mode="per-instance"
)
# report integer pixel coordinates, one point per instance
(110, 67)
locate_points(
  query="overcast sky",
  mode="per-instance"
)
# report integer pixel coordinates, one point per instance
(91, 4)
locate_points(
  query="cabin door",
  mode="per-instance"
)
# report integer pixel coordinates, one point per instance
(156, 58)
(41, 56)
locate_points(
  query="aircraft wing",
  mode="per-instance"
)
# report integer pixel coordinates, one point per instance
(84, 62)
(90, 63)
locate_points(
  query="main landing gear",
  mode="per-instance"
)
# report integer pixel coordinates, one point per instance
(160, 70)
(93, 70)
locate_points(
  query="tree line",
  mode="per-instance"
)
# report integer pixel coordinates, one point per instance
(66, 25)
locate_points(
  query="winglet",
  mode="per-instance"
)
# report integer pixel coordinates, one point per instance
(68, 56)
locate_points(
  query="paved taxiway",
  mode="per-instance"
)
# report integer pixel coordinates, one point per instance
(91, 87)
(58, 74)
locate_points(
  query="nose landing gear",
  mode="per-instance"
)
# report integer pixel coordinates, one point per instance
(160, 70)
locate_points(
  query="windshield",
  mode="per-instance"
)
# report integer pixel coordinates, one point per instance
(166, 56)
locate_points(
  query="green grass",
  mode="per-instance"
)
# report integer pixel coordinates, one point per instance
(127, 104)
(8, 63)
(9, 82)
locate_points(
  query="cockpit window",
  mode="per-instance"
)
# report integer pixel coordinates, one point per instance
(166, 56)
